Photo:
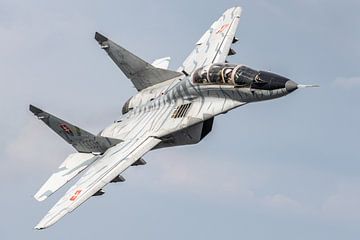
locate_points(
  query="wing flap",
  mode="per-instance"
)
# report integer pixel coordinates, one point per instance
(72, 166)
(114, 161)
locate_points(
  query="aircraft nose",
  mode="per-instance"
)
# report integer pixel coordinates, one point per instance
(291, 86)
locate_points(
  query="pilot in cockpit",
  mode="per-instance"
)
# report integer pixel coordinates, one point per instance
(214, 74)
(226, 74)
(200, 76)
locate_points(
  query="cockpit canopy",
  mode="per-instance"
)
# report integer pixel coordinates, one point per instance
(229, 74)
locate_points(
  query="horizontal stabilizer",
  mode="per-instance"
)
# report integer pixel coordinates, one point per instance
(72, 166)
(141, 73)
(80, 139)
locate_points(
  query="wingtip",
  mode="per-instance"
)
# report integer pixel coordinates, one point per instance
(37, 227)
(40, 198)
(35, 110)
(236, 9)
(234, 12)
(41, 225)
(52, 217)
(100, 38)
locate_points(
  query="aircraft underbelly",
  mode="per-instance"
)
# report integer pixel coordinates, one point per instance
(189, 135)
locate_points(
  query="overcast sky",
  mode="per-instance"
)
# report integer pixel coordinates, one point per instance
(282, 169)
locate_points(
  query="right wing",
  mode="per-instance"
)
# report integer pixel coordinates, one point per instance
(107, 168)
(141, 73)
(214, 45)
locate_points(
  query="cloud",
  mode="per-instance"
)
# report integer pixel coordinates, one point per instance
(217, 182)
(201, 177)
(347, 83)
(344, 204)
(281, 201)
(34, 149)
(270, 7)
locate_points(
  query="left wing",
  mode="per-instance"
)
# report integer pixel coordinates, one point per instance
(214, 45)
(114, 161)
(141, 73)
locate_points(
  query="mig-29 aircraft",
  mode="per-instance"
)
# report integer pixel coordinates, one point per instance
(171, 108)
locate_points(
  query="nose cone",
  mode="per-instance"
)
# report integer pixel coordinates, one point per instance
(291, 86)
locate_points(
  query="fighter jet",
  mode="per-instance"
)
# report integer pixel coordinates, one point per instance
(171, 108)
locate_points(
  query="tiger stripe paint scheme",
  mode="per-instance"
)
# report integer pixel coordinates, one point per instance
(171, 108)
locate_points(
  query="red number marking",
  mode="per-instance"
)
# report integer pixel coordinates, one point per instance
(223, 27)
(76, 194)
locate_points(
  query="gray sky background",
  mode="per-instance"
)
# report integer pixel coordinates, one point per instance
(283, 169)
